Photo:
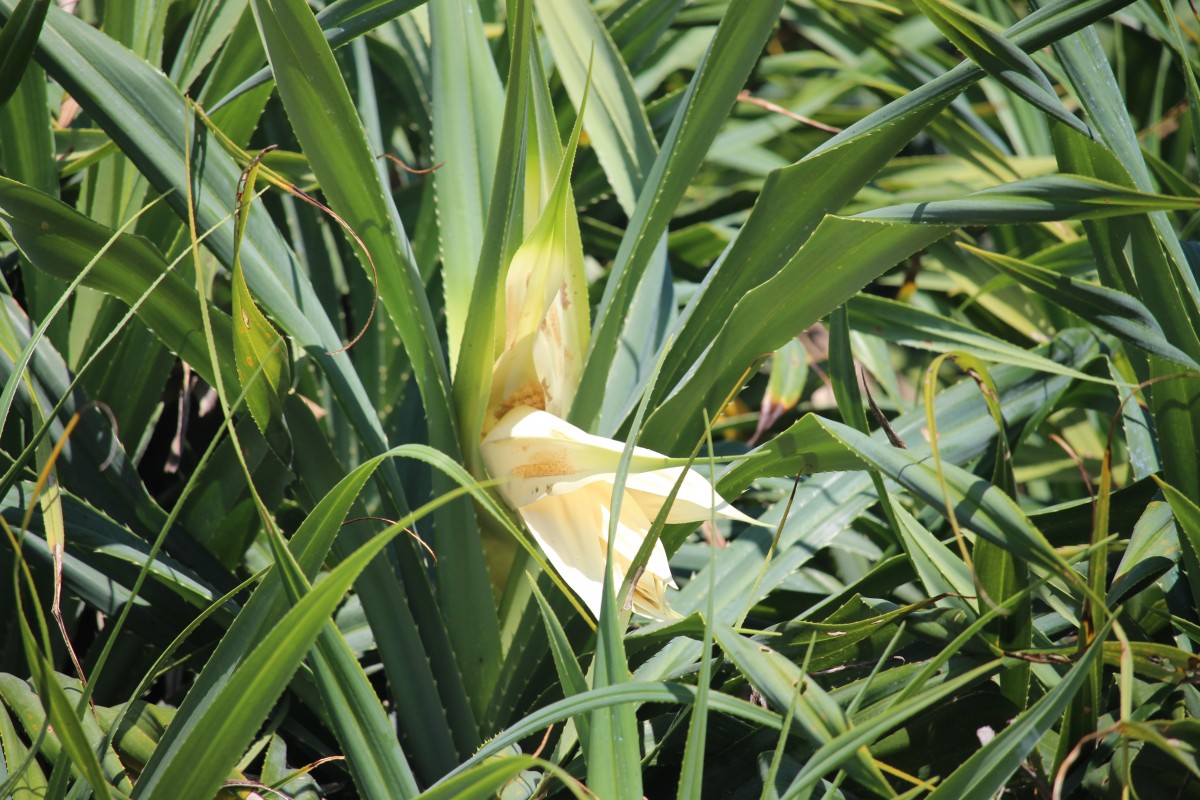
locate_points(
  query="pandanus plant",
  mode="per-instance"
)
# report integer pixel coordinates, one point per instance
(522, 363)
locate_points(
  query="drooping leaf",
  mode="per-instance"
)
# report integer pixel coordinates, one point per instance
(1109, 309)
(975, 37)
(260, 353)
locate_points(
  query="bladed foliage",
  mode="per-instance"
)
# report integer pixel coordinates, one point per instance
(912, 284)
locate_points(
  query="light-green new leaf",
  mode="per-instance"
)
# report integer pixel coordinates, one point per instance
(260, 353)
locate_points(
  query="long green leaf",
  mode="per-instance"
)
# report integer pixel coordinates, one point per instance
(915, 327)
(1044, 26)
(840, 257)
(466, 140)
(24, 777)
(192, 767)
(988, 771)
(972, 34)
(784, 685)
(632, 692)
(209, 27)
(827, 503)
(327, 125)
(979, 505)
(310, 544)
(493, 779)
(1142, 256)
(840, 166)
(28, 156)
(60, 240)
(589, 63)
(148, 118)
(477, 351)
(832, 755)
(18, 39)
(64, 718)
(260, 353)
(1053, 197)
(569, 674)
(342, 21)
(1109, 309)
(1187, 518)
(713, 90)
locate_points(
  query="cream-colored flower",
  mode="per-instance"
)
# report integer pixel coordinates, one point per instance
(560, 479)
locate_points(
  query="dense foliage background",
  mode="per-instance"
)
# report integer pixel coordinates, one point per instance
(931, 266)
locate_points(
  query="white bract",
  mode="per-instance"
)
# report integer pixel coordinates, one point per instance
(561, 479)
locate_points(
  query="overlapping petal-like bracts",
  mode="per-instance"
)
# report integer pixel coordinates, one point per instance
(560, 479)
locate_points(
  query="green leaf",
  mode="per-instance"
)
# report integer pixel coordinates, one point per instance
(466, 140)
(493, 777)
(477, 352)
(767, 248)
(789, 371)
(1044, 26)
(827, 503)
(58, 239)
(691, 774)
(65, 720)
(149, 119)
(139, 730)
(1141, 255)
(940, 571)
(1154, 547)
(28, 156)
(218, 733)
(613, 754)
(979, 505)
(24, 777)
(260, 353)
(840, 257)
(1150, 270)
(711, 93)
(1053, 197)
(840, 166)
(989, 770)
(784, 685)
(636, 27)
(569, 674)
(342, 21)
(18, 40)
(915, 327)
(359, 720)
(377, 764)
(588, 62)
(631, 692)
(839, 749)
(974, 36)
(1118, 313)
(331, 134)
(802, 449)
(1187, 517)
(209, 27)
